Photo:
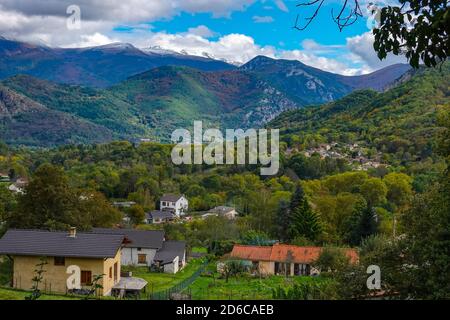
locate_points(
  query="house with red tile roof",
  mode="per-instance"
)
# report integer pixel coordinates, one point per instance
(282, 259)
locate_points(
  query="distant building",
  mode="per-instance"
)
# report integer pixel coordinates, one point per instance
(176, 203)
(281, 259)
(124, 204)
(19, 185)
(4, 177)
(223, 211)
(157, 217)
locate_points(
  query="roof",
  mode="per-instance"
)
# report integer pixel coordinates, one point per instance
(152, 239)
(59, 244)
(160, 215)
(130, 283)
(253, 253)
(222, 210)
(170, 250)
(282, 252)
(171, 197)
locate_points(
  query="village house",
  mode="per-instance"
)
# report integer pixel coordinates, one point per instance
(172, 257)
(281, 259)
(4, 177)
(95, 254)
(18, 186)
(141, 248)
(223, 211)
(124, 204)
(175, 203)
(157, 217)
(149, 248)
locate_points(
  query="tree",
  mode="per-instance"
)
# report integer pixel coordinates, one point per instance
(304, 221)
(332, 259)
(362, 224)
(283, 220)
(374, 191)
(136, 214)
(399, 186)
(7, 203)
(48, 203)
(419, 29)
(96, 211)
(37, 279)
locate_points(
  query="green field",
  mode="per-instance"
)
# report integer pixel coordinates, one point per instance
(241, 288)
(11, 294)
(162, 281)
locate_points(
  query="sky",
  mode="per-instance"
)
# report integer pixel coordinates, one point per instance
(232, 30)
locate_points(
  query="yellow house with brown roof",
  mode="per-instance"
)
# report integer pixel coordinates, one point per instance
(92, 254)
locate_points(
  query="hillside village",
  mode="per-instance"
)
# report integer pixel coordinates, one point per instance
(109, 257)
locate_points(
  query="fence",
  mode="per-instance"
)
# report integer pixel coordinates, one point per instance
(175, 291)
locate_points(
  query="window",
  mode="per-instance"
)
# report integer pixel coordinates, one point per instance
(60, 261)
(115, 272)
(86, 278)
(142, 258)
(110, 273)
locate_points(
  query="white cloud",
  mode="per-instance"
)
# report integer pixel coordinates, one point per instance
(263, 19)
(31, 20)
(202, 31)
(236, 48)
(362, 51)
(45, 21)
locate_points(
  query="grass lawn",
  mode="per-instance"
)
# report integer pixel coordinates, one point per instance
(162, 281)
(199, 250)
(241, 288)
(10, 294)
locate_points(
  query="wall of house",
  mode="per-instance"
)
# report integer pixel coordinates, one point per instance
(110, 281)
(55, 277)
(130, 256)
(172, 267)
(180, 207)
(267, 267)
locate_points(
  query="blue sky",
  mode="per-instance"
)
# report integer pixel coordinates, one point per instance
(231, 30)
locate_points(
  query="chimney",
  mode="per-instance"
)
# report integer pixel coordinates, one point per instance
(72, 232)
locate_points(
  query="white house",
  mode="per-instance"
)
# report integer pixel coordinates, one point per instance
(141, 246)
(157, 217)
(176, 203)
(148, 248)
(172, 257)
(227, 212)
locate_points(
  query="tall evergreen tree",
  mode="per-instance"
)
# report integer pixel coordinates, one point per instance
(283, 220)
(304, 222)
(362, 224)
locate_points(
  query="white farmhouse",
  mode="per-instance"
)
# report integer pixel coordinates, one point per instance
(176, 203)
(149, 248)
(140, 247)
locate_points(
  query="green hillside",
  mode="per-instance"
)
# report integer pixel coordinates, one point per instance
(399, 121)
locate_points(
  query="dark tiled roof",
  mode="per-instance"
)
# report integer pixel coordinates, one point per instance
(152, 239)
(170, 250)
(59, 244)
(161, 215)
(171, 197)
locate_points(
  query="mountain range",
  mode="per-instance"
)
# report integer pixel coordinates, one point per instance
(121, 92)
